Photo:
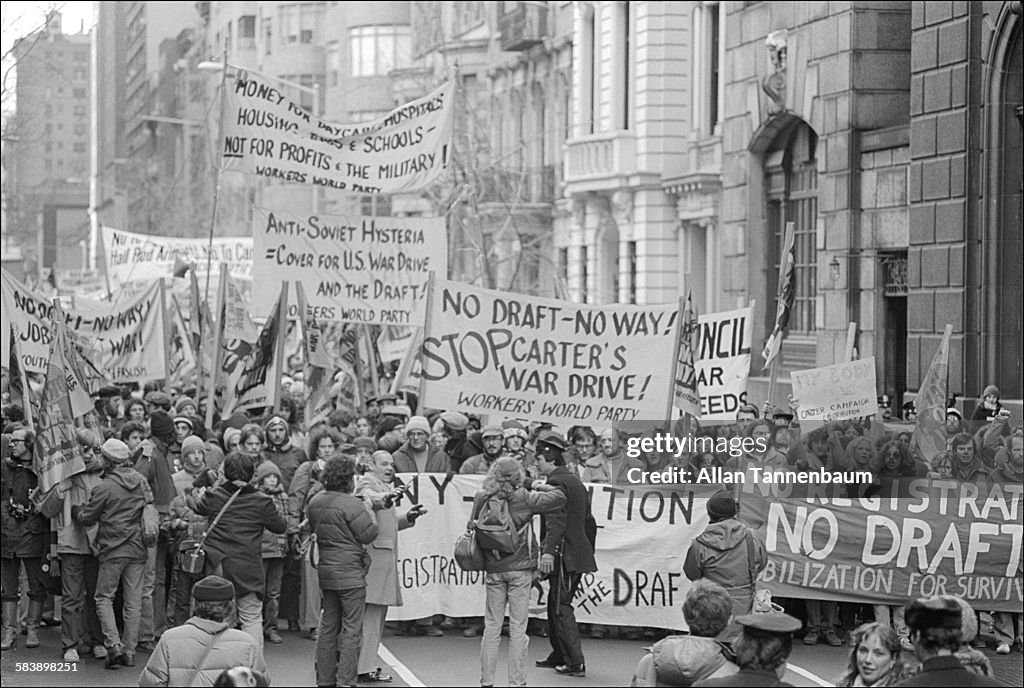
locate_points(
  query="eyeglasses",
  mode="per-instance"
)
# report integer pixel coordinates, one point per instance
(15, 441)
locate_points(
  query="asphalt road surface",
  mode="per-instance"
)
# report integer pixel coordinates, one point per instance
(420, 661)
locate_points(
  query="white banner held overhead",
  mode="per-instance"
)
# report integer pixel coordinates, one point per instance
(267, 134)
(487, 351)
(135, 257)
(723, 365)
(123, 339)
(354, 269)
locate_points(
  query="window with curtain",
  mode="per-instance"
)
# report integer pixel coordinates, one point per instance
(301, 23)
(376, 50)
(793, 197)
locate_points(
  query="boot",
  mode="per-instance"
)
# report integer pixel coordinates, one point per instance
(35, 613)
(9, 641)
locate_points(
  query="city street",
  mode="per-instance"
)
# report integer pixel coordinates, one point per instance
(452, 661)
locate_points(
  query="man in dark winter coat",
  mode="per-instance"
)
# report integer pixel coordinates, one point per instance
(935, 630)
(568, 553)
(728, 553)
(235, 545)
(116, 504)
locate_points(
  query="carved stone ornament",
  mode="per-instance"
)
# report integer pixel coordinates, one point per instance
(775, 83)
(622, 207)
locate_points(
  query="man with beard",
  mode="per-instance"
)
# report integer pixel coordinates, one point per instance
(280, 450)
(493, 448)
(382, 589)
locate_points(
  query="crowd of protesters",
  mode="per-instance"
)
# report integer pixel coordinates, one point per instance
(301, 522)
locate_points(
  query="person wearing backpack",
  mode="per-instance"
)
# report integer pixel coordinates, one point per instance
(502, 514)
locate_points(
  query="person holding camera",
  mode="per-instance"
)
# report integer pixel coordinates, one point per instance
(26, 537)
(382, 589)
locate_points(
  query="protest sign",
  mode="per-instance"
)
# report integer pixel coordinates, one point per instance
(723, 351)
(354, 269)
(486, 351)
(931, 403)
(255, 378)
(911, 539)
(59, 454)
(267, 134)
(687, 394)
(393, 342)
(142, 257)
(644, 532)
(125, 339)
(836, 392)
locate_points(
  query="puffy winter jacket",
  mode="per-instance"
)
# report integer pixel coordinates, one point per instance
(721, 555)
(523, 504)
(681, 660)
(343, 528)
(287, 458)
(116, 504)
(275, 545)
(195, 654)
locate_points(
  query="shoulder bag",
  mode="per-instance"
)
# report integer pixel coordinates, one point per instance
(192, 561)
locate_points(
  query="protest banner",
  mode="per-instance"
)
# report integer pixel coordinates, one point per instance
(931, 403)
(267, 134)
(181, 360)
(836, 392)
(393, 342)
(687, 394)
(355, 269)
(256, 378)
(59, 454)
(644, 532)
(318, 362)
(723, 365)
(487, 351)
(141, 257)
(125, 340)
(913, 538)
(643, 535)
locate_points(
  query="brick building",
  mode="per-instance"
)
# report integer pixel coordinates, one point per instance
(889, 133)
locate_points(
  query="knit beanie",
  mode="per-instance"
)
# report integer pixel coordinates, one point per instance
(161, 426)
(191, 444)
(213, 589)
(417, 423)
(991, 389)
(181, 403)
(721, 506)
(115, 451)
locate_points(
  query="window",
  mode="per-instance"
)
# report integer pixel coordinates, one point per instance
(79, 111)
(247, 31)
(81, 74)
(705, 68)
(79, 93)
(793, 197)
(376, 50)
(333, 62)
(299, 23)
(584, 273)
(631, 270)
(80, 130)
(268, 35)
(79, 147)
(563, 265)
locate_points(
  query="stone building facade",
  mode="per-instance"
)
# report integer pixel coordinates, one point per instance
(886, 132)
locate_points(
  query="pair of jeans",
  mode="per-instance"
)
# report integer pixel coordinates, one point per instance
(563, 633)
(129, 573)
(80, 626)
(511, 589)
(273, 570)
(1007, 626)
(340, 637)
(154, 592)
(821, 615)
(38, 580)
(250, 616)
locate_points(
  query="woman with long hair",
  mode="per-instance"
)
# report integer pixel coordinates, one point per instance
(510, 576)
(876, 658)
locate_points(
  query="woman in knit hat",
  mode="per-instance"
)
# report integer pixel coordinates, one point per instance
(989, 406)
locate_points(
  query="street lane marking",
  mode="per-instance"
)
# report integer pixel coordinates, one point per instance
(810, 676)
(403, 671)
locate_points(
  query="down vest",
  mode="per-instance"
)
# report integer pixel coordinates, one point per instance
(343, 528)
(194, 655)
